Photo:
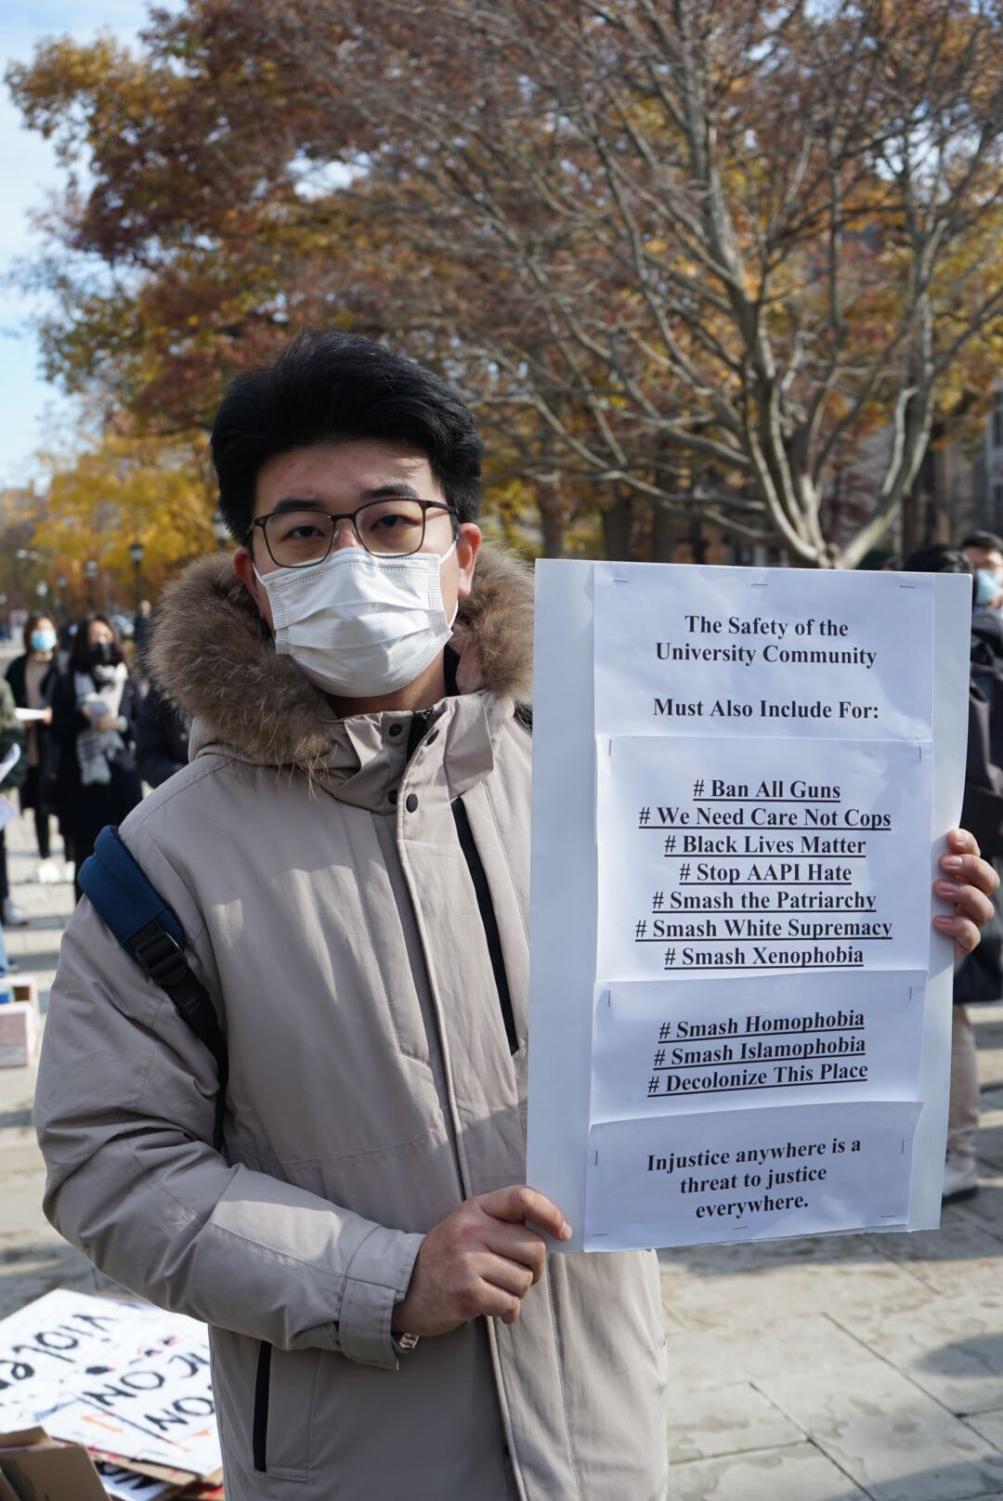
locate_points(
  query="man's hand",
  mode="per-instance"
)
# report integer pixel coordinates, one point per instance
(968, 882)
(481, 1260)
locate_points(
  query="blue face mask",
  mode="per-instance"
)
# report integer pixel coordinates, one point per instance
(43, 640)
(987, 586)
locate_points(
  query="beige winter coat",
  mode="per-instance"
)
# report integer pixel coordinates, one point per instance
(331, 912)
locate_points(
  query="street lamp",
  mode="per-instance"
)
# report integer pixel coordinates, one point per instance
(41, 589)
(220, 530)
(136, 554)
(90, 574)
(24, 555)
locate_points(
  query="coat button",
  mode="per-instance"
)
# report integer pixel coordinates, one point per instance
(393, 796)
(395, 729)
(411, 803)
(432, 735)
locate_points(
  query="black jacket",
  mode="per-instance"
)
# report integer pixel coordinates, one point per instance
(979, 976)
(161, 738)
(43, 786)
(85, 810)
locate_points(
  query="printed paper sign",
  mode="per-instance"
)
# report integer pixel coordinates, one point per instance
(772, 855)
(748, 1175)
(743, 779)
(687, 1046)
(744, 652)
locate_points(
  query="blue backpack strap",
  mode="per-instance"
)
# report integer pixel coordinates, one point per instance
(151, 931)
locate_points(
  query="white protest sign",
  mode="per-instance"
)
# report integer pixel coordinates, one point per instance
(748, 1174)
(722, 855)
(743, 841)
(121, 1377)
(50, 1342)
(127, 1485)
(684, 1047)
(754, 651)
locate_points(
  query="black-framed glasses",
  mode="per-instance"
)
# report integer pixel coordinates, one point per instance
(298, 536)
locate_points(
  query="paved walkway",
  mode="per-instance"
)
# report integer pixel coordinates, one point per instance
(810, 1370)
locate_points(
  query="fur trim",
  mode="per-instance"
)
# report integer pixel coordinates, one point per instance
(212, 657)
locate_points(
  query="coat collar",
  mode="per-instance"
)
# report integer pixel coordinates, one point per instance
(212, 656)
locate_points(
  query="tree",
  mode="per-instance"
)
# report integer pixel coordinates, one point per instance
(119, 491)
(686, 259)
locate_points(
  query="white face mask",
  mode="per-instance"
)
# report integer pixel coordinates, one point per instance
(360, 625)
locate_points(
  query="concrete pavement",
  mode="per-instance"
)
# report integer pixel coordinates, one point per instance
(827, 1369)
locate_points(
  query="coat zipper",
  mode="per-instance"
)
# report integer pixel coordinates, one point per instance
(259, 1427)
(420, 723)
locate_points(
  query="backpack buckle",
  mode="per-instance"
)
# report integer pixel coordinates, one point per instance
(160, 956)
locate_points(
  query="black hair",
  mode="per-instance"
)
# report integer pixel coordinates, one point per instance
(936, 558)
(80, 659)
(331, 388)
(987, 541)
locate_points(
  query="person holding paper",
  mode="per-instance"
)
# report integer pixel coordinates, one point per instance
(348, 852)
(979, 976)
(31, 677)
(12, 774)
(94, 707)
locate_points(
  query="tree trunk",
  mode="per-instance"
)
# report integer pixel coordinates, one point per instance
(664, 534)
(912, 509)
(617, 523)
(552, 525)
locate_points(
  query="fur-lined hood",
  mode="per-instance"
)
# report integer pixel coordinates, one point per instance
(213, 658)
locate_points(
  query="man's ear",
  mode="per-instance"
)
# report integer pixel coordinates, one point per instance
(468, 542)
(243, 567)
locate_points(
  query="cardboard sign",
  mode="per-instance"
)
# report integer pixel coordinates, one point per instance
(118, 1376)
(42, 1468)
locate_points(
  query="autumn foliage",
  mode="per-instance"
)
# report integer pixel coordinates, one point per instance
(686, 259)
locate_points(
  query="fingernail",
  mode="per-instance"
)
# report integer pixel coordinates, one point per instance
(942, 921)
(953, 863)
(566, 1231)
(946, 888)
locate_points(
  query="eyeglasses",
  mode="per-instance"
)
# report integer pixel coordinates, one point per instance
(297, 536)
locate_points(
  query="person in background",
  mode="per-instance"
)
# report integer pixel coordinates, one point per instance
(12, 773)
(984, 551)
(94, 708)
(978, 977)
(31, 677)
(161, 738)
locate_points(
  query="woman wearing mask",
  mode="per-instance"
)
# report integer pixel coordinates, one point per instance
(94, 707)
(31, 677)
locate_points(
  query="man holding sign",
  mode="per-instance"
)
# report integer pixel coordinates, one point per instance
(349, 854)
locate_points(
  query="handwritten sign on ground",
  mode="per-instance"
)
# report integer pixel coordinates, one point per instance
(121, 1377)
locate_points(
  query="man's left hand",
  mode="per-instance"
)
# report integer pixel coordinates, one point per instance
(969, 882)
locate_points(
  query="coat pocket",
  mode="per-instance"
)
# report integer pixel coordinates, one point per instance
(285, 1386)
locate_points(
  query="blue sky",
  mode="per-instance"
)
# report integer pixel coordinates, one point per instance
(31, 412)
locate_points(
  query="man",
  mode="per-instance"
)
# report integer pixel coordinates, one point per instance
(348, 852)
(980, 976)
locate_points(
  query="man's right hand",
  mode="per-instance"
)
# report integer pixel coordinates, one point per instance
(481, 1260)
